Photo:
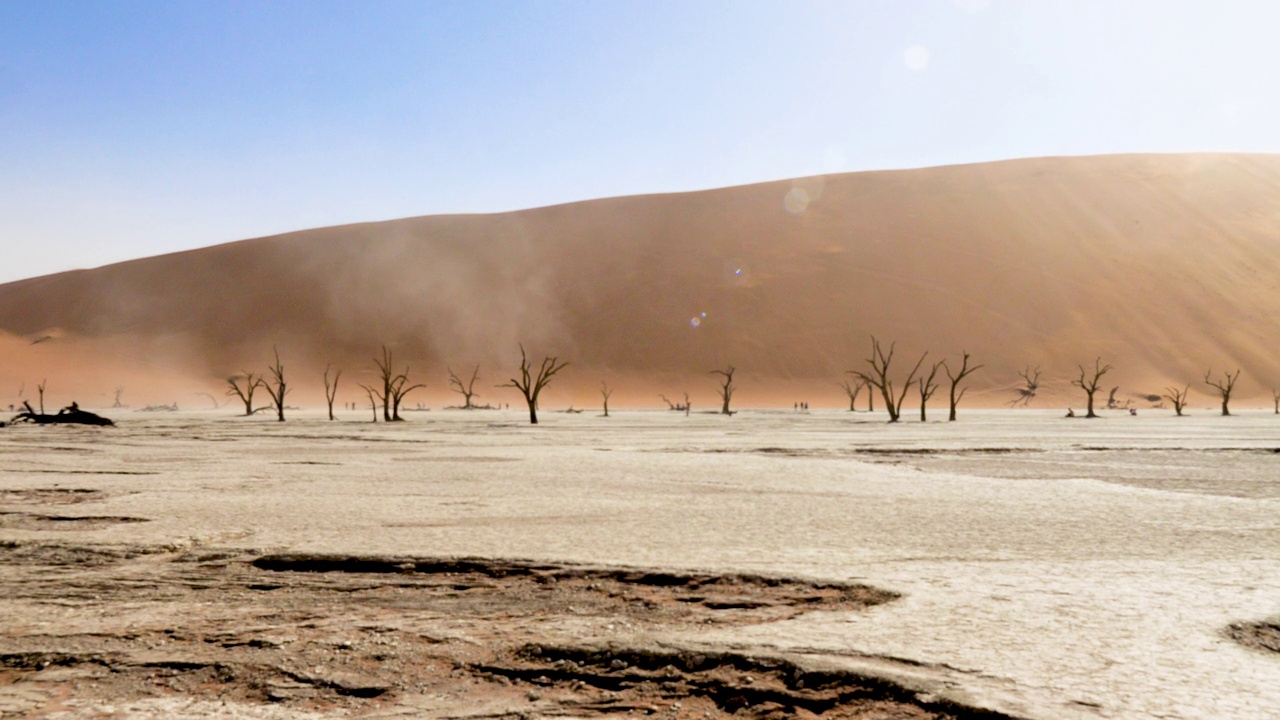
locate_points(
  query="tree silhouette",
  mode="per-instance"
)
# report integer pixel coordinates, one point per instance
(1177, 397)
(852, 391)
(467, 389)
(331, 388)
(1225, 386)
(395, 386)
(251, 384)
(531, 383)
(726, 388)
(277, 388)
(1090, 384)
(927, 388)
(956, 379)
(879, 378)
(605, 392)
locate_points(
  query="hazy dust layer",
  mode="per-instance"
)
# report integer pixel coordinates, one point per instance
(92, 626)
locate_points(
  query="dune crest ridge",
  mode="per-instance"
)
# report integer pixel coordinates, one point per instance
(1164, 265)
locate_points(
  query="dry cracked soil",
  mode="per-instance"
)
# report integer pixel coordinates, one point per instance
(110, 626)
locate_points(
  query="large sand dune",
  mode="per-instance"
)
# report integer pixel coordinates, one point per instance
(1165, 266)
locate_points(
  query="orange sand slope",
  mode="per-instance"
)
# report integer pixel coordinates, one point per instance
(1165, 266)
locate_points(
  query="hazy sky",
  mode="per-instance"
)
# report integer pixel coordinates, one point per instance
(135, 128)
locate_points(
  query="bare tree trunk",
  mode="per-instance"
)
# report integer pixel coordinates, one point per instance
(251, 384)
(1090, 384)
(726, 388)
(278, 389)
(927, 388)
(878, 377)
(531, 383)
(1224, 387)
(467, 390)
(605, 392)
(852, 391)
(331, 389)
(373, 401)
(1178, 398)
(956, 379)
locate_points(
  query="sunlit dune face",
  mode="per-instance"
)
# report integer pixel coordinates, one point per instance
(1049, 262)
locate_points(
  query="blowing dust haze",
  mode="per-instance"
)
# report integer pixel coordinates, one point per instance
(1048, 262)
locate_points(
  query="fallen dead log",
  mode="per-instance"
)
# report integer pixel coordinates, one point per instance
(69, 415)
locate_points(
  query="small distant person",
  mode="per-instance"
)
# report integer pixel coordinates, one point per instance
(1071, 413)
(1133, 411)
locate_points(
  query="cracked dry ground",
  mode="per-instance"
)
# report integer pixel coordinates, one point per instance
(88, 628)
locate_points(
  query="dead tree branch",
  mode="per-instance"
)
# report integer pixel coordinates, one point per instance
(277, 388)
(467, 389)
(956, 379)
(251, 384)
(879, 379)
(1090, 383)
(530, 383)
(726, 388)
(605, 392)
(1177, 397)
(1225, 386)
(927, 388)
(852, 391)
(331, 388)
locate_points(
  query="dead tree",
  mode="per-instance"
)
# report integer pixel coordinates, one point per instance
(927, 388)
(251, 385)
(70, 415)
(40, 389)
(878, 377)
(956, 379)
(1031, 383)
(277, 388)
(399, 388)
(394, 386)
(1225, 386)
(1177, 397)
(531, 383)
(670, 405)
(687, 405)
(605, 392)
(331, 388)
(852, 391)
(726, 388)
(1090, 385)
(1275, 395)
(117, 403)
(467, 390)
(373, 400)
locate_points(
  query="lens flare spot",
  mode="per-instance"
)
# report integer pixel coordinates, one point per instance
(695, 322)
(796, 201)
(704, 315)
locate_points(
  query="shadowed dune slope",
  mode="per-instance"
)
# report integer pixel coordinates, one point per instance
(1164, 265)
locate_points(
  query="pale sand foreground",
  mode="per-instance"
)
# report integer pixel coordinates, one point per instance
(1049, 568)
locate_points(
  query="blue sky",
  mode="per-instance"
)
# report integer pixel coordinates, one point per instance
(131, 128)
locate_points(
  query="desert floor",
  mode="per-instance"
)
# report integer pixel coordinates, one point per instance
(770, 564)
